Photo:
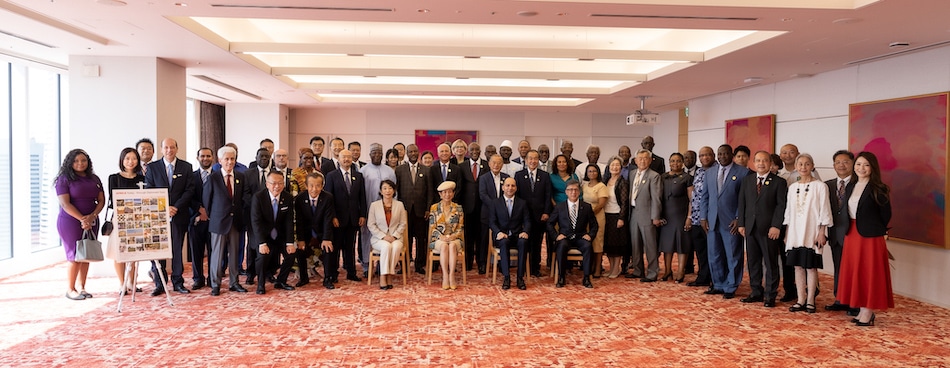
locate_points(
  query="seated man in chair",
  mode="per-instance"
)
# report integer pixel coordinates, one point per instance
(510, 222)
(576, 228)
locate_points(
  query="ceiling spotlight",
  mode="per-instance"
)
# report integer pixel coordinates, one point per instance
(752, 80)
(423, 10)
(527, 13)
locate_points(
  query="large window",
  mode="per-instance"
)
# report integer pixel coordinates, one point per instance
(6, 185)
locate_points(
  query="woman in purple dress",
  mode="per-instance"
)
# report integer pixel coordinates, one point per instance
(81, 198)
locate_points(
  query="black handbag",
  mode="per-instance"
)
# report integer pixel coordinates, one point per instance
(107, 226)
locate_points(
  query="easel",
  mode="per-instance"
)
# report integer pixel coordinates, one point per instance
(129, 274)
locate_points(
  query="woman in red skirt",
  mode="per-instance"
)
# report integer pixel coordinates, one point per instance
(865, 280)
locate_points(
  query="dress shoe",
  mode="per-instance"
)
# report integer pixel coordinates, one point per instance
(242, 272)
(158, 291)
(353, 278)
(506, 283)
(837, 307)
(728, 295)
(181, 289)
(365, 275)
(697, 283)
(238, 288)
(633, 276)
(328, 284)
(260, 291)
(712, 291)
(647, 280)
(521, 284)
(198, 285)
(587, 283)
(752, 299)
(769, 303)
(215, 291)
(249, 281)
(788, 297)
(282, 286)
(421, 271)
(301, 283)
(481, 270)
(560, 283)
(334, 280)
(272, 279)
(536, 274)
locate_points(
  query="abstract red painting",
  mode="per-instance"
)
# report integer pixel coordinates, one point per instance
(757, 133)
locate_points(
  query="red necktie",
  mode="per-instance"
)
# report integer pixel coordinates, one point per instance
(758, 187)
(475, 169)
(227, 182)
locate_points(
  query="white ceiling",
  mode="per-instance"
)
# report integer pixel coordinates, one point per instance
(582, 56)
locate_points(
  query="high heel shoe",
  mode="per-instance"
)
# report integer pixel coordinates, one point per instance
(667, 277)
(680, 280)
(870, 322)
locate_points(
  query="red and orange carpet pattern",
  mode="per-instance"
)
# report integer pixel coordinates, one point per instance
(619, 323)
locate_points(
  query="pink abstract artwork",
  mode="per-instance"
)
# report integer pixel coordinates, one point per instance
(909, 138)
(757, 133)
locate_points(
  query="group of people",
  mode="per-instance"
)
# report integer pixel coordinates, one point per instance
(459, 204)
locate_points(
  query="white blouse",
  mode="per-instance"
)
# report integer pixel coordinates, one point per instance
(807, 209)
(856, 197)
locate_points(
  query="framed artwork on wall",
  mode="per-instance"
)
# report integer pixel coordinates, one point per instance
(757, 133)
(909, 137)
(429, 140)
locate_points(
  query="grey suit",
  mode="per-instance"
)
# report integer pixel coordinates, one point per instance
(645, 195)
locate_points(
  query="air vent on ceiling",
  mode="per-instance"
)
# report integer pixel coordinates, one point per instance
(671, 17)
(27, 39)
(282, 7)
(896, 53)
(227, 86)
(209, 94)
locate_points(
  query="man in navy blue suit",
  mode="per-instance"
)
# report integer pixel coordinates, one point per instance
(576, 228)
(349, 200)
(175, 175)
(719, 216)
(224, 196)
(509, 223)
(315, 212)
(272, 218)
(199, 238)
(534, 186)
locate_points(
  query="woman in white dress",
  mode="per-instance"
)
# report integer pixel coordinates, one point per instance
(387, 222)
(808, 215)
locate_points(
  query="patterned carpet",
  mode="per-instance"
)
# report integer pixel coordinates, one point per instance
(619, 323)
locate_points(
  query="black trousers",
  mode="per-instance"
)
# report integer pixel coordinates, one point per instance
(473, 232)
(331, 263)
(836, 250)
(482, 247)
(263, 261)
(504, 245)
(301, 257)
(199, 243)
(418, 228)
(788, 272)
(563, 246)
(178, 232)
(698, 237)
(251, 254)
(763, 253)
(344, 240)
(534, 245)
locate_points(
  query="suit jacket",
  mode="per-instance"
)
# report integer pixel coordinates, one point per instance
(721, 204)
(658, 164)
(471, 202)
(263, 220)
(196, 196)
(182, 190)
(840, 218)
(539, 200)
(317, 221)
(649, 196)
(225, 211)
(376, 221)
(416, 197)
(288, 177)
(325, 166)
(759, 211)
(871, 218)
(487, 192)
(586, 221)
(501, 222)
(253, 176)
(350, 204)
(454, 175)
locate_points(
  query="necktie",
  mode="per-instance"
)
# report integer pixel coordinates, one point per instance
(338, 165)
(758, 187)
(444, 173)
(722, 178)
(273, 232)
(346, 178)
(508, 203)
(204, 176)
(263, 178)
(531, 174)
(313, 211)
(412, 172)
(475, 169)
(573, 215)
(636, 188)
(840, 192)
(171, 173)
(227, 182)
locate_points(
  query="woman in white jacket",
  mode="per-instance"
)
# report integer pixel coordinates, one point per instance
(387, 222)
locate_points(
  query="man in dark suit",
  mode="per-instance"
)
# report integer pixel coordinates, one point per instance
(837, 188)
(444, 170)
(281, 165)
(534, 186)
(357, 149)
(475, 249)
(336, 146)
(315, 212)
(256, 182)
(762, 200)
(523, 147)
(199, 238)
(646, 194)
(413, 183)
(719, 216)
(657, 163)
(272, 218)
(509, 221)
(489, 189)
(576, 228)
(175, 175)
(317, 144)
(224, 196)
(349, 197)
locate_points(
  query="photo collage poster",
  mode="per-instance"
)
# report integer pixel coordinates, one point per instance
(142, 224)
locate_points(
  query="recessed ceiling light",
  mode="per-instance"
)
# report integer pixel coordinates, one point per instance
(752, 80)
(112, 2)
(525, 13)
(181, 4)
(423, 10)
(846, 20)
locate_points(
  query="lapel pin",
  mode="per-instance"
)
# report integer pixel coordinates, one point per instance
(733, 178)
